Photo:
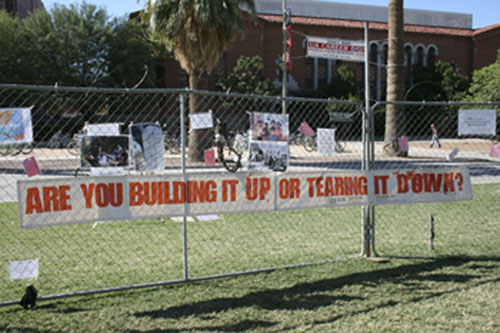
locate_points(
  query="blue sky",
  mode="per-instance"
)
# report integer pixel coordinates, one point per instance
(484, 12)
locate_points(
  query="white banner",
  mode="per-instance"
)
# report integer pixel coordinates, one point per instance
(318, 47)
(477, 122)
(55, 201)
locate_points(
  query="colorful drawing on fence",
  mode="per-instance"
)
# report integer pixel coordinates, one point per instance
(326, 141)
(31, 166)
(495, 151)
(148, 149)
(403, 143)
(209, 156)
(104, 151)
(15, 125)
(268, 127)
(48, 202)
(306, 129)
(265, 156)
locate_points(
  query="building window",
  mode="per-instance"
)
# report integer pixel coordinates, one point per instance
(431, 56)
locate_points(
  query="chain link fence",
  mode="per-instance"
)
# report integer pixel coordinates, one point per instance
(108, 254)
(467, 228)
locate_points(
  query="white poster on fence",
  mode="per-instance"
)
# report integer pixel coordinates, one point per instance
(105, 129)
(15, 125)
(55, 201)
(477, 122)
(349, 50)
(326, 141)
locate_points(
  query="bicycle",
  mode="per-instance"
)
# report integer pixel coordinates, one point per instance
(224, 143)
(16, 148)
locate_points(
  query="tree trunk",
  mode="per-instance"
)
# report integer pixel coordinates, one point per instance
(199, 139)
(395, 117)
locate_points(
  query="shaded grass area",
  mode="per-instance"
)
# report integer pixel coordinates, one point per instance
(440, 294)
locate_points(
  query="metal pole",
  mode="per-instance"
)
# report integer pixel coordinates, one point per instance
(183, 166)
(283, 63)
(366, 210)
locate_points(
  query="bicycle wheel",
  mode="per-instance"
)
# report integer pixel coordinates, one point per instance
(26, 148)
(73, 147)
(174, 146)
(230, 159)
(5, 149)
(310, 144)
(339, 148)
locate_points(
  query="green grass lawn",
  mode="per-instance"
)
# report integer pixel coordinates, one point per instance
(452, 288)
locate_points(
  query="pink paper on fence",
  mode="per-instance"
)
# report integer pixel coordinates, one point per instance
(31, 166)
(403, 143)
(209, 156)
(306, 129)
(495, 151)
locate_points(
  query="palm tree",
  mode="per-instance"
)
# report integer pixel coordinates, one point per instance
(198, 31)
(394, 121)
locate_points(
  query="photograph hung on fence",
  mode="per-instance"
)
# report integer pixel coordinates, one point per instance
(104, 151)
(265, 156)
(147, 147)
(268, 127)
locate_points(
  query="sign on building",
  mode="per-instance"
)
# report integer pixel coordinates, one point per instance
(318, 47)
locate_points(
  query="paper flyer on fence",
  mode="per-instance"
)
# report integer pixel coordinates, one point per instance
(148, 149)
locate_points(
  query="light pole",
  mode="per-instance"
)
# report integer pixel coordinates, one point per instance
(283, 62)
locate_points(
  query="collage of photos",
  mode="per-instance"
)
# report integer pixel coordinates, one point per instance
(268, 142)
(104, 151)
(147, 147)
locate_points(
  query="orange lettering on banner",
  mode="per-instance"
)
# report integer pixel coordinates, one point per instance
(179, 192)
(52, 199)
(33, 201)
(324, 186)
(289, 188)
(257, 187)
(380, 180)
(231, 185)
(135, 194)
(201, 191)
(428, 182)
(87, 194)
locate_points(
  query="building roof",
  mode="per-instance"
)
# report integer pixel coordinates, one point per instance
(343, 11)
(373, 25)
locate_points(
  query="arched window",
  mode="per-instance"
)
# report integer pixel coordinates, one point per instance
(431, 54)
(408, 55)
(420, 55)
(373, 53)
(386, 53)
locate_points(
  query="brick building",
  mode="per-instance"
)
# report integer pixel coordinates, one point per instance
(21, 8)
(429, 36)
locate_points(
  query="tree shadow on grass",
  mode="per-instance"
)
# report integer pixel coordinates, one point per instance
(310, 295)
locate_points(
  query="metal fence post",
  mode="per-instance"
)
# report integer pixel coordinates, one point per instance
(365, 163)
(183, 167)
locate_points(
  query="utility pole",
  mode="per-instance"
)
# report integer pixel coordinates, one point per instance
(283, 62)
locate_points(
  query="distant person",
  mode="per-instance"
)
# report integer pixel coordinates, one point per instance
(435, 137)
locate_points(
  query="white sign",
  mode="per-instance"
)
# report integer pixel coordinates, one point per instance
(201, 120)
(326, 141)
(23, 269)
(107, 129)
(318, 47)
(56, 201)
(477, 122)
